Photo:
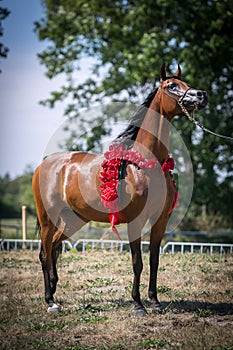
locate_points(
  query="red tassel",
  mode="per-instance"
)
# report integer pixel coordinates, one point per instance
(114, 229)
(175, 202)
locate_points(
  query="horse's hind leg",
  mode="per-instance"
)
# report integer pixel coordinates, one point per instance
(53, 270)
(52, 236)
(56, 251)
(48, 230)
(69, 223)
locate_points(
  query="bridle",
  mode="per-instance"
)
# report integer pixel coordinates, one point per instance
(190, 117)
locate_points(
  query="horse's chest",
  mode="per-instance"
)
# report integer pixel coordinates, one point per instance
(137, 181)
(155, 190)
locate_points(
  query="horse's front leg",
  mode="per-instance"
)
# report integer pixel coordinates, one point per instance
(154, 264)
(135, 247)
(157, 233)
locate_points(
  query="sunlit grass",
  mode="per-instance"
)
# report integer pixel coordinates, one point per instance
(94, 292)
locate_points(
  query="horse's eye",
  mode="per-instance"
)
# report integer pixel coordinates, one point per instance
(172, 86)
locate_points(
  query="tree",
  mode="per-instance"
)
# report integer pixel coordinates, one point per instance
(129, 40)
(4, 13)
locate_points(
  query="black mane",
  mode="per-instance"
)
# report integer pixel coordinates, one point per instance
(130, 133)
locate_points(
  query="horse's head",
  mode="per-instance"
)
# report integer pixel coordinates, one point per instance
(178, 95)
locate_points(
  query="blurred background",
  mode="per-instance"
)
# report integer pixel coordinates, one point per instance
(59, 58)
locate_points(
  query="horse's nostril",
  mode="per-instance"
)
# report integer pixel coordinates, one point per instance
(199, 94)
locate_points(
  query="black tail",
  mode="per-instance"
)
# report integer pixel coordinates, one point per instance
(38, 228)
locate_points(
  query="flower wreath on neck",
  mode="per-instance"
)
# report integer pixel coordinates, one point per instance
(111, 176)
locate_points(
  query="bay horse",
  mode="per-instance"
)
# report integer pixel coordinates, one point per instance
(67, 186)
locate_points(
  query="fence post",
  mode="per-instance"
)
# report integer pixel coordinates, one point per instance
(24, 222)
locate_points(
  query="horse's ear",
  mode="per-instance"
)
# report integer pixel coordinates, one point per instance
(178, 72)
(163, 72)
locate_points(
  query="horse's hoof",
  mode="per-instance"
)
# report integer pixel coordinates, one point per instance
(156, 307)
(53, 309)
(140, 311)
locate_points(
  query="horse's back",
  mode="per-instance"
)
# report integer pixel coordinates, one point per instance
(66, 179)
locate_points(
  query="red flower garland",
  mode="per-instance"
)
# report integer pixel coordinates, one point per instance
(110, 176)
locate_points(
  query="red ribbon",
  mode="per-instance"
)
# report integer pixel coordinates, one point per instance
(110, 177)
(168, 164)
(175, 200)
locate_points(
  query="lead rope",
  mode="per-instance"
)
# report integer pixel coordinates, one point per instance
(197, 123)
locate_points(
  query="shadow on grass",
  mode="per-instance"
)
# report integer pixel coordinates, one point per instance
(190, 306)
(221, 309)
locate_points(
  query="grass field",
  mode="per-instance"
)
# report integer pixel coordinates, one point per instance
(94, 292)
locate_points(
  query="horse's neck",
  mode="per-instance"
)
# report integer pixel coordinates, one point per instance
(153, 136)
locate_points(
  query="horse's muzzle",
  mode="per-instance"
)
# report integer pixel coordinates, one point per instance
(195, 99)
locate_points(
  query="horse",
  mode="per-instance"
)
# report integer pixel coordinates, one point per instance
(68, 186)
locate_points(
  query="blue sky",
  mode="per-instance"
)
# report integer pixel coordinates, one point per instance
(25, 126)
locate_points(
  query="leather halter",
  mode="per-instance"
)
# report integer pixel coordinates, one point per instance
(191, 118)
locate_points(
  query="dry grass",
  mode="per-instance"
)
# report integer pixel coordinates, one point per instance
(94, 291)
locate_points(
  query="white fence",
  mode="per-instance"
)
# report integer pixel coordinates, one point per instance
(117, 245)
(194, 247)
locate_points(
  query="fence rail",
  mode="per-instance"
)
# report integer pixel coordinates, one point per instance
(84, 245)
(31, 244)
(16, 230)
(195, 247)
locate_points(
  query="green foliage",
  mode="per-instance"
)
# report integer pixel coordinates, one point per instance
(128, 41)
(14, 194)
(152, 344)
(4, 13)
(163, 289)
(203, 313)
